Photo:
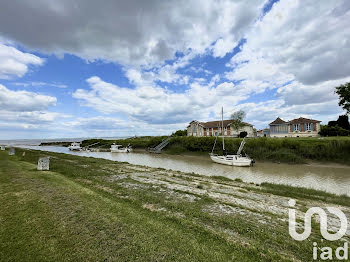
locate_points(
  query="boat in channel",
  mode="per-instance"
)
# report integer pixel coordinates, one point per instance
(119, 149)
(237, 159)
(75, 146)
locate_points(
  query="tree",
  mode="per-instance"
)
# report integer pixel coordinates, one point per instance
(237, 119)
(333, 131)
(343, 122)
(180, 133)
(344, 96)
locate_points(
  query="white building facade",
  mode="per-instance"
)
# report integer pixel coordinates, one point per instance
(214, 128)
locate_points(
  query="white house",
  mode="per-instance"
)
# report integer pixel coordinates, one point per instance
(299, 127)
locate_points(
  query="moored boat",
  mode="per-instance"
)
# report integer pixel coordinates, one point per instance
(231, 159)
(75, 146)
(119, 149)
(234, 159)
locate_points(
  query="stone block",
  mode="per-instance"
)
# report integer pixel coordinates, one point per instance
(11, 151)
(44, 163)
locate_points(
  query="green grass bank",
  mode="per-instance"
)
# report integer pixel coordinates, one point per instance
(288, 150)
(89, 209)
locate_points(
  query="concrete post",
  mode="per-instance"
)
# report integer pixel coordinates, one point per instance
(44, 163)
(11, 151)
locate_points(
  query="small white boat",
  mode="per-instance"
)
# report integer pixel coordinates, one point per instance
(119, 149)
(75, 146)
(232, 160)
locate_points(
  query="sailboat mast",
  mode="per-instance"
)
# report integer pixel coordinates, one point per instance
(222, 128)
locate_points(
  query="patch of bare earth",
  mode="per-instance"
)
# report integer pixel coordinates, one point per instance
(230, 197)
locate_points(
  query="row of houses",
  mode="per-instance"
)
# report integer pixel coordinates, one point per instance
(299, 127)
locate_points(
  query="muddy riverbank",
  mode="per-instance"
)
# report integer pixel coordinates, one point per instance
(333, 178)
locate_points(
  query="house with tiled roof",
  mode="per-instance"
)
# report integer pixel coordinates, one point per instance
(214, 128)
(299, 127)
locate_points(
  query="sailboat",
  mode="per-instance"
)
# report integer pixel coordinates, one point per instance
(232, 160)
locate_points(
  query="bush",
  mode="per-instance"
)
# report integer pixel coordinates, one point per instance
(243, 134)
(333, 131)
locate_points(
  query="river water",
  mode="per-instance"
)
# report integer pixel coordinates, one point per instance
(331, 178)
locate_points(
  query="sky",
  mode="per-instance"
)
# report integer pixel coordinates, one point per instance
(86, 68)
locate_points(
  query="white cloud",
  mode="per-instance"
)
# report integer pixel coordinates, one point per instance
(225, 88)
(37, 84)
(300, 40)
(25, 114)
(14, 63)
(247, 65)
(166, 73)
(223, 46)
(131, 32)
(300, 49)
(155, 105)
(112, 126)
(33, 117)
(296, 93)
(24, 101)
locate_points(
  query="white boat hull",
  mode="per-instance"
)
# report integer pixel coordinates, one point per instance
(232, 160)
(75, 148)
(121, 149)
(124, 150)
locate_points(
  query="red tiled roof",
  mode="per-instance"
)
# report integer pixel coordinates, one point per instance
(278, 121)
(212, 124)
(301, 120)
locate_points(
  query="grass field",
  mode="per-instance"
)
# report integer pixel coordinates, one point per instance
(88, 209)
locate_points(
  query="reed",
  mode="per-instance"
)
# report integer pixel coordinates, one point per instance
(287, 150)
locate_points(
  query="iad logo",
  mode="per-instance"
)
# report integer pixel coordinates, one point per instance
(341, 253)
(323, 223)
(327, 253)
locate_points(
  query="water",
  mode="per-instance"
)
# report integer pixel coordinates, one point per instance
(330, 178)
(36, 142)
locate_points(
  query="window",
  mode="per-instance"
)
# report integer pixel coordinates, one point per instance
(296, 127)
(194, 129)
(308, 126)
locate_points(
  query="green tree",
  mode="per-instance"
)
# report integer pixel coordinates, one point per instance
(237, 119)
(180, 133)
(344, 96)
(333, 131)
